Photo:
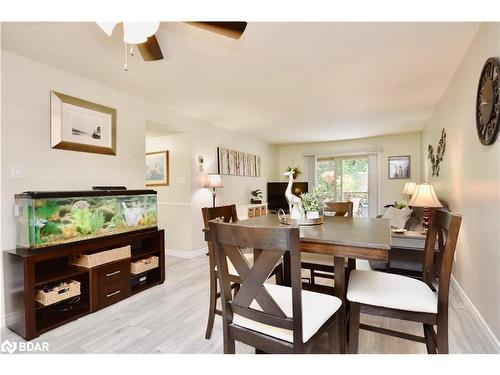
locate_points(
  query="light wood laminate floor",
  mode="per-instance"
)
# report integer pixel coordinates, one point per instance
(171, 318)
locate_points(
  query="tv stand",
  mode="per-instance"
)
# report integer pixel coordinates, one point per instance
(26, 270)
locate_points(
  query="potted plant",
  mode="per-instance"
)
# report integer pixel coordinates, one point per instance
(314, 202)
(400, 204)
(296, 171)
(256, 196)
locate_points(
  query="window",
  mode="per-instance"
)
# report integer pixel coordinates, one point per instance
(347, 180)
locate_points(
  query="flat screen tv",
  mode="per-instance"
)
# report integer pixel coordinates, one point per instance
(276, 194)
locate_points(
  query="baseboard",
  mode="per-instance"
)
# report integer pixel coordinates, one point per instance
(4, 319)
(187, 254)
(478, 316)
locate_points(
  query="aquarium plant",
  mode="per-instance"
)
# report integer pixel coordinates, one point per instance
(86, 221)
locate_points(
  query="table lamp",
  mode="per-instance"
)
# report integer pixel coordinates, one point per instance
(409, 188)
(425, 197)
(213, 181)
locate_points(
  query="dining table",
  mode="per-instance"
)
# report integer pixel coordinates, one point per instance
(342, 238)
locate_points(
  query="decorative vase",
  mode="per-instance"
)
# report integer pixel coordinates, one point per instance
(312, 215)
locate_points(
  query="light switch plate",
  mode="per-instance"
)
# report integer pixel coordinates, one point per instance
(182, 181)
(17, 171)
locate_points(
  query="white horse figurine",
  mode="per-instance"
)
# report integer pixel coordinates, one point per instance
(294, 202)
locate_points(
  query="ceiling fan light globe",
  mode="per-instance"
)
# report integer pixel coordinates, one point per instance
(138, 32)
(107, 27)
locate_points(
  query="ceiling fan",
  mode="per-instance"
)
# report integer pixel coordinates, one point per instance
(142, 34)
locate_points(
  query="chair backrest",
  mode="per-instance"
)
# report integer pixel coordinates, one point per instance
(226, 214)
(272, 243)
(340, 208)
(443, 228)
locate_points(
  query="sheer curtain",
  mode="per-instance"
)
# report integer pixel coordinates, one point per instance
(373, 182)
(310, 163)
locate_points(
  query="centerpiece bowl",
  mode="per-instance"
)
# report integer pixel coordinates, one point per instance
(285, 219)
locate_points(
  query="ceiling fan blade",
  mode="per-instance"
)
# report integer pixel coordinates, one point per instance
(150, 50)
(231, 29)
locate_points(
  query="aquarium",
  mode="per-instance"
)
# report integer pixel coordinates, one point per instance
(53, 218)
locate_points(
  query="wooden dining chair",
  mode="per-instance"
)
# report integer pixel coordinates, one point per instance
(339, 208)
(271, 318)
(320, 265)
(226, 214)
(406, 298)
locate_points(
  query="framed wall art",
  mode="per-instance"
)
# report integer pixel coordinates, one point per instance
(236, 163)
(157, 168)
(79, 125)
(399, 167)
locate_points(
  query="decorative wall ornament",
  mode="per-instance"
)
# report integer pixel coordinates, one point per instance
(437, 158)
(294, 203)
(237, 163)
(488, 102)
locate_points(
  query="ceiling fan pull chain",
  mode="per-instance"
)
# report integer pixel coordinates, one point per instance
(125, 67)
(131, 50)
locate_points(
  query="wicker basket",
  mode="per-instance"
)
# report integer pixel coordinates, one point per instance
(143, 265)
(96, 259)
(58, 293)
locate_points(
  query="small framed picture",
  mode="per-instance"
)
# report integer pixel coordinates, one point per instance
(399, 167)
(157, 168)
(79, 125)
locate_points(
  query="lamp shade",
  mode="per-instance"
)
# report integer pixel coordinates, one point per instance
(213, 181)
(409, 188)
(424, 196)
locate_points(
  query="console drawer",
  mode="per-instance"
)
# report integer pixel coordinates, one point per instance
(112, 293)
(111, 273)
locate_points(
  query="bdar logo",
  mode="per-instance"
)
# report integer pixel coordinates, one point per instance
(8, 347)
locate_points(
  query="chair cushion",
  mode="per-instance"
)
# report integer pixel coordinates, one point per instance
(326, 260)
(317, 308)
(392, 291)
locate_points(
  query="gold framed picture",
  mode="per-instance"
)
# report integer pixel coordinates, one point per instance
(157, 168)
(79, 125)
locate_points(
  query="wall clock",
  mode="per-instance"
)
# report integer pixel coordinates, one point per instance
(488, 102)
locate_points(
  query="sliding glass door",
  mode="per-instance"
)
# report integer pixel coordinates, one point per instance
(347, 180)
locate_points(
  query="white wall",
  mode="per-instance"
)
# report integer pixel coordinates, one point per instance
(2, 308)
(180, 203)
(25, 131)
(174, 200)
(236, 189)
(394, 145)
(470, 179)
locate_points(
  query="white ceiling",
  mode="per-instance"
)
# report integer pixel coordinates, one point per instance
(282, 82)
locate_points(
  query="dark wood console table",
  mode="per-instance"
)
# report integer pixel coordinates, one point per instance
(405, 257)
(27, 270)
